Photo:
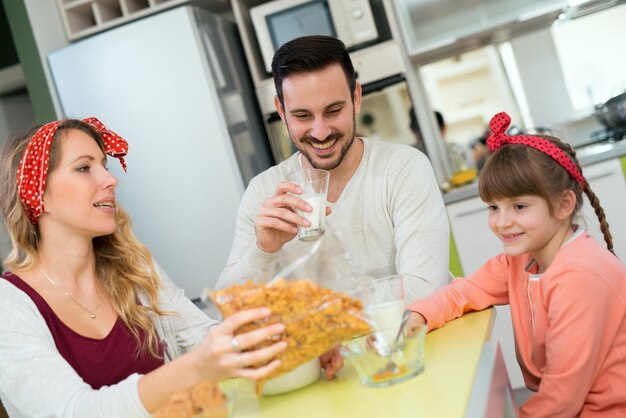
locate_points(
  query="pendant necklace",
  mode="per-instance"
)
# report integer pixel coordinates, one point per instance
(91, 312)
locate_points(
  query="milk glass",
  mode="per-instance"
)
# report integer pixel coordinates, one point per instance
(314, 185)
(384, 308)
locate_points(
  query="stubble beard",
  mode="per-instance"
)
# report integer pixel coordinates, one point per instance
(326, 164)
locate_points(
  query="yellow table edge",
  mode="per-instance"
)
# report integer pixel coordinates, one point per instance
(442, 390)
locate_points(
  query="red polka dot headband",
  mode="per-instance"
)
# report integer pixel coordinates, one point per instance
(500, 123)
(33, 168)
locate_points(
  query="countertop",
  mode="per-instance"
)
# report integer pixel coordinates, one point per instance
(442, 390)
(588, 155)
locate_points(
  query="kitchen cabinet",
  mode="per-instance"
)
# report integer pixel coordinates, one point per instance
(428, 25)
(85, 17)
(475, 243)
(608, 183)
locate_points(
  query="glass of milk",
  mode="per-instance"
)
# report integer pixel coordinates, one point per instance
(384, 308)
(314, 184)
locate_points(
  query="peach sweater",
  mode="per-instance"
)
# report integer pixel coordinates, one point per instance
(569, 325)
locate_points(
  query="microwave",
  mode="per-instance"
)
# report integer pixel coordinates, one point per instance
(280, 21)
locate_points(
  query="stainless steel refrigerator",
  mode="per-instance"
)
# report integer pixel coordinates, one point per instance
(176, 86)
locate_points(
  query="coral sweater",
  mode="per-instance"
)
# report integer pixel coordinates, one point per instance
(569, 325)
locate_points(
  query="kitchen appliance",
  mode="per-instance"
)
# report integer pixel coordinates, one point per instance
(614, 134)
(612, 113)
(176, 86)
(279, 21)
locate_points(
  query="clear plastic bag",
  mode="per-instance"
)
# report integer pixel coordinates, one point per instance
(315, 295)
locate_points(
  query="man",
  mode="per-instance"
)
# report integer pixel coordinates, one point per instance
(385, 203)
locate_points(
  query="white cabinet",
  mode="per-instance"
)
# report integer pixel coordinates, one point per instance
(429, 25)
(86, 17)
(475, 243)
(607, 182)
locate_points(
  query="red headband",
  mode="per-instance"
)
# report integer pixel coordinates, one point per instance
(499, 124)
(33, 168)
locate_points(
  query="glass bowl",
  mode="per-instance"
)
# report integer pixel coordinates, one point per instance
(383, 366)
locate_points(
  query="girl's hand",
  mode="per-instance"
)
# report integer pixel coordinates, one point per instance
(415, 321)
(220, 355)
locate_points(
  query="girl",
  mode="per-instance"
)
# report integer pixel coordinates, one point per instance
(89, 324)
(567, 293)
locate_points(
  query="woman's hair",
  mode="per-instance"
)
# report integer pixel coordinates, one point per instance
(517, 170)
(124, 266)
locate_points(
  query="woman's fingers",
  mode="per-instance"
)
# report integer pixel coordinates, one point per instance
(261, 356)
(260, 372)
(252, 338)
(233, 322)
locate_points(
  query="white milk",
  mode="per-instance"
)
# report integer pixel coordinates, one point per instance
(317, 202)
(386, 317)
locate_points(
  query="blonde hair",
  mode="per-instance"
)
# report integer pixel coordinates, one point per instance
(517, 170)
(124, 266)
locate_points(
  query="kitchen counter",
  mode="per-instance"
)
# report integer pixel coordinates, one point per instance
(588, 155)
(444, 389)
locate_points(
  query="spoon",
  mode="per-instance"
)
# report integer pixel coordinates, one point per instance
(391, 366)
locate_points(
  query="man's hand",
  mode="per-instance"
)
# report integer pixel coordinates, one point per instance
(277, 223)
(332, 362)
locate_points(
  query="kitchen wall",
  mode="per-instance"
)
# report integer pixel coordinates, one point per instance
(567, 69)
(592, 51)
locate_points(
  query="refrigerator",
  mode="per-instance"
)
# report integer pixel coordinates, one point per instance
(176, 86)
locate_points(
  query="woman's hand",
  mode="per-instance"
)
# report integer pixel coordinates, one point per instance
(277, 223)
(415, 320)
(220, 355)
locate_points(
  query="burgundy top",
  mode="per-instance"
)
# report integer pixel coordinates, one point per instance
(99, 362)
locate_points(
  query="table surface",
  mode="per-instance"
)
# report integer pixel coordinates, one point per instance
(441, 390)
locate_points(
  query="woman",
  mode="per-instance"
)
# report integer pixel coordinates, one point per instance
(90, 325)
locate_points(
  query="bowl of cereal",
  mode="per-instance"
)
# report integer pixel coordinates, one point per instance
(301, 376)
(380, 365)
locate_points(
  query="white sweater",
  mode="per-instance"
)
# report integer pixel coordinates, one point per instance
(37, 382)
(389, 219)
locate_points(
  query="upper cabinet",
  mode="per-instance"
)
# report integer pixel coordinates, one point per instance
(431, 29)
(86, 17)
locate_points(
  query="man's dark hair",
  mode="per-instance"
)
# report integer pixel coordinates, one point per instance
(309, 54)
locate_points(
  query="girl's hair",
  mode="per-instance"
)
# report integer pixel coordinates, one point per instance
(517, 170)
(124, 266)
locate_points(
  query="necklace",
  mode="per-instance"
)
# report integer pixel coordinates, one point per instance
(91, 312)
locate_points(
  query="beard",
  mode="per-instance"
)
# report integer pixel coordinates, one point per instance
(327, 162)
